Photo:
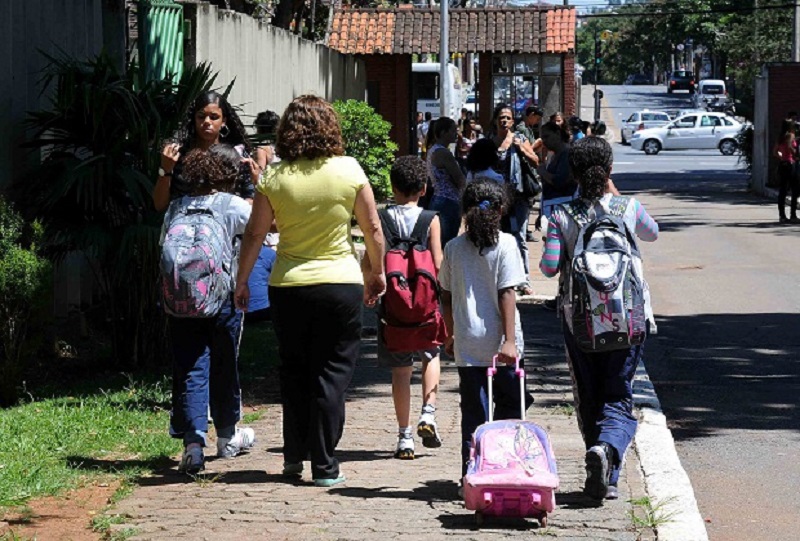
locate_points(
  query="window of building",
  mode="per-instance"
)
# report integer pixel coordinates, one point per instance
(519, 80)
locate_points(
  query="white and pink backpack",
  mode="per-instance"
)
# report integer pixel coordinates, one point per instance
(512, 469)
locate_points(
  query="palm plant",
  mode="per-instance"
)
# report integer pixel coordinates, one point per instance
(100, 140)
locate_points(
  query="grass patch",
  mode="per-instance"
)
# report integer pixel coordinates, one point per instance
(564, 409)
(59, 443)
(648, 513)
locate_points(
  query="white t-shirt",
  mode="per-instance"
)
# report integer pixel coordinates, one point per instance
(405, 218)
(473, 280)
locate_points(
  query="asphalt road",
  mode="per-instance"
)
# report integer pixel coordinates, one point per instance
(725, 278)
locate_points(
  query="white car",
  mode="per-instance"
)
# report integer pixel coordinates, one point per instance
(641, 120)
(692, 131)
(469, 105)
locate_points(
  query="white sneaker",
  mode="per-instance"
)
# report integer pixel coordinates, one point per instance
(192, 461)
(242, 440)
(426, 429)
(405, 448)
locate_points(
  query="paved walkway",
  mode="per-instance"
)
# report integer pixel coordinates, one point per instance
(246, 498)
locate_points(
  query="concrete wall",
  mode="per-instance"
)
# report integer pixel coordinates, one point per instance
(271, 66)
(78, 28)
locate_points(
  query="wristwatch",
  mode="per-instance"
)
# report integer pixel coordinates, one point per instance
(163, 173)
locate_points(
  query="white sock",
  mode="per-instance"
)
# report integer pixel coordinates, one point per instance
(404, 431)
(429, 408)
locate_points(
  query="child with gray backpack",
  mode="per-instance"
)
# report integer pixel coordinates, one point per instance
(605, 306)
(199, 254)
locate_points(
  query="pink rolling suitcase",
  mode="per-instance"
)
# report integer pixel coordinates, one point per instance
(512, 470)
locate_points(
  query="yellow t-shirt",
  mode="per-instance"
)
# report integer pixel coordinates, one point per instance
(313, 202)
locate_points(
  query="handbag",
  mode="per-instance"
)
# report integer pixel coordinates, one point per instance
(531, 183)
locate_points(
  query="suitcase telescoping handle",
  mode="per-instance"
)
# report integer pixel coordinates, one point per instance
(520, 372)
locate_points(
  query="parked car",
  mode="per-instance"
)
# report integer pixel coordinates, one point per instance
(680, 80)
(469, 105)
(641, 120)
(677, 113)
(637, 79)
(707, 91)
(692, 131)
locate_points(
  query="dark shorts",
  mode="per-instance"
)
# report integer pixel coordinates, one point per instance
(400, 359)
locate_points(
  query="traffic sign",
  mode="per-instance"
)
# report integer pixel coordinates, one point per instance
(598, 94)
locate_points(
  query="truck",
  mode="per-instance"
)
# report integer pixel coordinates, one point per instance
(425, 89)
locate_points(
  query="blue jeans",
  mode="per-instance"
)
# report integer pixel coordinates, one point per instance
(205, 372)
(473, 389)
(603, 387)
(518, 220)
(449, 216)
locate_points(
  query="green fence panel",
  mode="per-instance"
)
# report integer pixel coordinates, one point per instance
(161, 38)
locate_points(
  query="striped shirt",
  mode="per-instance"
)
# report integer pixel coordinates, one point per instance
(635, 216)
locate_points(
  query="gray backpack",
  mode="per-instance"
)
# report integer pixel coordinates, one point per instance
(603, 297)
(196, 259)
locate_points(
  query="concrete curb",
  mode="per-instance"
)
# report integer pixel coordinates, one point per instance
(665, 479)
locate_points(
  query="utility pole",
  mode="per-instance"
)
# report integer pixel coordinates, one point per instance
(796, 33)
(596, 76)
(443, 57)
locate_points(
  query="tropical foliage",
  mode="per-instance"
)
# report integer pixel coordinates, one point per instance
(23, 288)
(366, 136)
(100, 138)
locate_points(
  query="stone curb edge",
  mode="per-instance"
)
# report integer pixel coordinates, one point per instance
(666, 481)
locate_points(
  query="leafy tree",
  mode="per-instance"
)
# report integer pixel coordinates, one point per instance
(366, 137)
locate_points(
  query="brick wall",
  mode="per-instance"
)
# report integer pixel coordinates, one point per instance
(390, 75)
(784, 80)
(568, 86)
(485, 104)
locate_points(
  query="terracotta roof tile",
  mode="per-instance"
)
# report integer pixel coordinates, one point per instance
(406, 30)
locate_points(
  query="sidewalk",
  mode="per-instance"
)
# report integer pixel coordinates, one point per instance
(246, 498)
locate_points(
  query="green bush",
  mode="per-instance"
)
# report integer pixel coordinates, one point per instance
(744, 139)
(23, 279)
(366, 138)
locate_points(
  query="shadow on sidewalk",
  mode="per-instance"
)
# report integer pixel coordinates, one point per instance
(439, 490)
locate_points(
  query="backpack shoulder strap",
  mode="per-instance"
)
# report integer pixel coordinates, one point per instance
(390, 231)
(422, 227)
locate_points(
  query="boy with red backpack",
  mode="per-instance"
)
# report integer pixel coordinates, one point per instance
(410, 325)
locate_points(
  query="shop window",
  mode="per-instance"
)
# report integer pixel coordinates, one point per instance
(523, 80)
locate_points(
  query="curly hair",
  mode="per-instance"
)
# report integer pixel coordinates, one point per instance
(409, 175)
(309, 129)
(482, 155)
(236, 135)
(483, 205)
(214, 169)
(590, 159)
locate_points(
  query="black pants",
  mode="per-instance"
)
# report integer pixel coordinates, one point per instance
(788, 180)
(319, 336)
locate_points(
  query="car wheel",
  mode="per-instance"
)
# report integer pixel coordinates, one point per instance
(651, 146)
(728, 147)
(623, 141)
(669, 91)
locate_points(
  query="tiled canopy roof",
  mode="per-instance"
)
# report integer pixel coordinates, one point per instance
(407, 30)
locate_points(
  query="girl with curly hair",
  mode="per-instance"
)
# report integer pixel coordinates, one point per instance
(602, 380)
(211, 120)
(206, 349)
(316, 286)
(479, 274)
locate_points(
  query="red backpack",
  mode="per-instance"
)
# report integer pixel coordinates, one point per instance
(409, 311)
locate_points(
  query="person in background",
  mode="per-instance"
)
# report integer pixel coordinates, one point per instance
(211, 120)
(316, 286)
(448, 179)
(558, 186)
(422, 133)
(482, 162)
(206, 349)
(602, 381)
(512, 148)
(480, 273)
(786, 151)
(466, 138)
(531, 121)
(418, 119)
(576, 128)
(266, 125)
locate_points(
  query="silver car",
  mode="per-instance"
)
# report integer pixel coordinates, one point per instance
(642, 120)
(692, 131)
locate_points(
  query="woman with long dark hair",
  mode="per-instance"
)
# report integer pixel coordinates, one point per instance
(786, 151)
(210, 120)
(602, 380)
(316, 286)
(512, 149)
(447, 177)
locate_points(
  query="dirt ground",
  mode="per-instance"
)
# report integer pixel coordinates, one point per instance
(59, 518)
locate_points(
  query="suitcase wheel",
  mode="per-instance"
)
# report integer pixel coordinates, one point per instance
(478, 519)
(543, 520)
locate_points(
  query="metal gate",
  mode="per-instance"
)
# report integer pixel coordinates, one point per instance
(160, 38)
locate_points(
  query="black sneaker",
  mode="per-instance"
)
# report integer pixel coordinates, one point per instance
(598, 470)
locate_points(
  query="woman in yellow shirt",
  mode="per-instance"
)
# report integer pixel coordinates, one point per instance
(316, 285)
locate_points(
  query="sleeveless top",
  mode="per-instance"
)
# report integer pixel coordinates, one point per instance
(443, 185)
